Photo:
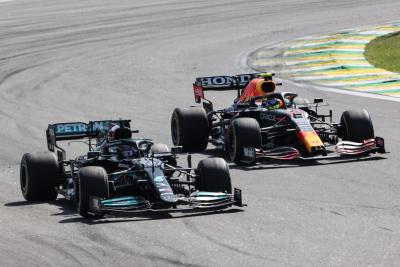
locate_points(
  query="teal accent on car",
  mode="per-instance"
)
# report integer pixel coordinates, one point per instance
(209, 194)
(123, 201)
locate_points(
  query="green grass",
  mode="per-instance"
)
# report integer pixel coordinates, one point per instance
(384, 52)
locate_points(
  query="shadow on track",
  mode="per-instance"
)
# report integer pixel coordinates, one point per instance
(22, 203)
(278, 164)
(145, 216)
(68, 209)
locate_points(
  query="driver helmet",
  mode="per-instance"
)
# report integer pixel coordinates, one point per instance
(274, 103)
(111, 132)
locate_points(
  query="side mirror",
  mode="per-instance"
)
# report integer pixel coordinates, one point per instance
(318, 100)
(176, 149)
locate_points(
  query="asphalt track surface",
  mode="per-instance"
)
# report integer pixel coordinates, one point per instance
(83, 60)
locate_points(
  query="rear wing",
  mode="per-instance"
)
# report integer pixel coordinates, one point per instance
(79, 130)
(224, 83)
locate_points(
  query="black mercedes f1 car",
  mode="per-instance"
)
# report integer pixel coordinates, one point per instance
(124, 175)
(250, 129)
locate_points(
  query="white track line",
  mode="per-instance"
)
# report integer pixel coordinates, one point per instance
(345, 92)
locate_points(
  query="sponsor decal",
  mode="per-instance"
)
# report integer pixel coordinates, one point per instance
(101, 125)
(80, 128)
(159, 179)
(151, 162)
(249, 152)
(271, 117)
(165, 190)
(95, 203)
(268, 117)
(218, 81)
(226, 80)
(304, 125)
(69, 128)
(161, 185)
(169, 197)
(166, 194)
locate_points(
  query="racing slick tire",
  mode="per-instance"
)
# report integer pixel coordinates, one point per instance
(39, 176)
(214, 176)
(190, 129)
(356, 126)
(93, 181)
(244, 132)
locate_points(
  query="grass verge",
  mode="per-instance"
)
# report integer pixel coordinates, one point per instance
(384, 52)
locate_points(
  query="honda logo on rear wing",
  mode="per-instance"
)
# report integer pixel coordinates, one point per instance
(221, 83)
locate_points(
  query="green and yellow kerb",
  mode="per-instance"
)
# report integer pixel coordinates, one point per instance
(336, 61)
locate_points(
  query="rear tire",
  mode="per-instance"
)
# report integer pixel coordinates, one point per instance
(190, 129)
(244, 132)
(39, 176)
(93, 181)
(214, 176)
(356, 126)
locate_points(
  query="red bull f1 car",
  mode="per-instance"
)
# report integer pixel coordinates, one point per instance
(123, 175)
(253, 129)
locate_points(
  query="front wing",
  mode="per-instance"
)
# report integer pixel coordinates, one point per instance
(197, 201)
(342, 149)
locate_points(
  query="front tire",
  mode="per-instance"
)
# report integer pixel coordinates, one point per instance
(190, 129)
(356, 126)
(214, 176)
(93, 181)
(244, 132)
(39, 176)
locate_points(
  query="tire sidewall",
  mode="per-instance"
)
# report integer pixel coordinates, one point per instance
(213, 173)
(190, 129)
(39, 176)
(91, 184)
(238, 139)
(354, 120)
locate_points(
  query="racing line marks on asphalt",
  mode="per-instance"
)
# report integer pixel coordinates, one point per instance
(335, 61)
